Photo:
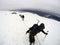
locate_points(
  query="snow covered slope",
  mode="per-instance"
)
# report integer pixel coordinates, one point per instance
(13, 29)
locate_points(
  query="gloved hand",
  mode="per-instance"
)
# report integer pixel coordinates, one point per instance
(26, 32)
(46, 33)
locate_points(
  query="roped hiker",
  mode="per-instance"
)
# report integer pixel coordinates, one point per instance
(22, 16)
(34, 30)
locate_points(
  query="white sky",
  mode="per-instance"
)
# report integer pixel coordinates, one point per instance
(52, 5)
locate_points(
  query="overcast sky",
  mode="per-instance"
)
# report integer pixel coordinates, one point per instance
(52, 5)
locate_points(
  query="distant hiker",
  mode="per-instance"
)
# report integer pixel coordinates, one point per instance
(22, 16)
(34, 30)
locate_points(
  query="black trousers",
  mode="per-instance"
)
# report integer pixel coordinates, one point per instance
(31, 39)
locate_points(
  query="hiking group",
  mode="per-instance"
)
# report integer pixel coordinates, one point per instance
(34, 30)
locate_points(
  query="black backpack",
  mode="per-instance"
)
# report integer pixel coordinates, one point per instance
(33, 27)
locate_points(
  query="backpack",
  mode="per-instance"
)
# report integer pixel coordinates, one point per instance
(33, 27)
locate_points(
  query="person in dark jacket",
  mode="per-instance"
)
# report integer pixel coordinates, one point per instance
(22, 16)
(34, 30)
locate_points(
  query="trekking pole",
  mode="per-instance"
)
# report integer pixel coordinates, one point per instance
(45, 35)
(25, 39)
(38, 21)
(38, 40)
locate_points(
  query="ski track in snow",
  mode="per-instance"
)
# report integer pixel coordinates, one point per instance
(13, 29)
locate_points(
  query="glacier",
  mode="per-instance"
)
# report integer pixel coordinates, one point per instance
(13, 29)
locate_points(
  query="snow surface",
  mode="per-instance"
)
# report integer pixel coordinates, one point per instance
(13, 29)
